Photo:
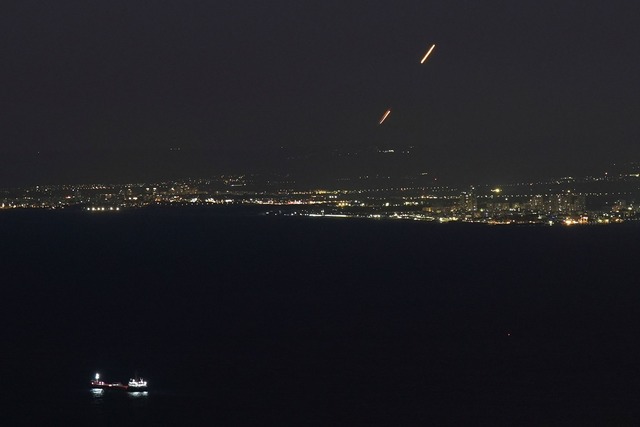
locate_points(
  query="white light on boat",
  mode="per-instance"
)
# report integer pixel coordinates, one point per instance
(97, 377)
(137, 382)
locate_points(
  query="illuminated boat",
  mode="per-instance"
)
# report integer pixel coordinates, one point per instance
(137, 384)
(134, 385)
(99, 384)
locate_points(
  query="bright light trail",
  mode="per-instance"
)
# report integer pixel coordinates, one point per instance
(427, 54)
(384, 117)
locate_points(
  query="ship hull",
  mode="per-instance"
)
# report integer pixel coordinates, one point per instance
(120, 388)
(110, 387)
(132, 387)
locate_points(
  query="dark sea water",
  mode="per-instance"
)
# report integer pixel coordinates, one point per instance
(240, 319)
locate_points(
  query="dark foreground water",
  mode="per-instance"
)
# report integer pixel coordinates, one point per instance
(251, 320)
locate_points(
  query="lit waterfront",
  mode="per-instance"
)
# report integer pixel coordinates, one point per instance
(567, 201)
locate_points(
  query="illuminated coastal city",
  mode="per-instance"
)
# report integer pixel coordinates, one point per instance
(605, 199)
(320, 213)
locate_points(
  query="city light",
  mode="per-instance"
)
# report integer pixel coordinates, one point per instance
(569, 200)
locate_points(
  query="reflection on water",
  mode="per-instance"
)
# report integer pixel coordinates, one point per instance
(118, 404)
(137, 394)
(97, 392)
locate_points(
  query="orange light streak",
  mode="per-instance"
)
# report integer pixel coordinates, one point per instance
(384, 117)
(427, 54)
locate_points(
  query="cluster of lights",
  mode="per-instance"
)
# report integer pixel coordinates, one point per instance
(101, 209)
(137, 383)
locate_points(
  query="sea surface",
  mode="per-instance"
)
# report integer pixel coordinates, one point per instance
(244, 319)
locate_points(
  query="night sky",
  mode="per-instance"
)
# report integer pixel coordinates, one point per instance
(512, 87)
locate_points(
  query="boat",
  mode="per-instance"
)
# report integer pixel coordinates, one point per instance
(137, 384)
(134, 385)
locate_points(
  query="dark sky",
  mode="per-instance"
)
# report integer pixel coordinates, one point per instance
(512, 86)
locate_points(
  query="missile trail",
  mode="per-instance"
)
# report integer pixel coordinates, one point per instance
(384, 117)
(427, 54)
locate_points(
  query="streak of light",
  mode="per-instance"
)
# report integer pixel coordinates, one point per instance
(384, 117)
(427, 54)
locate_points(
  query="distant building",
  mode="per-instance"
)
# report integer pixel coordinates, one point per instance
(566, 203)
(536, 204)
(468, 201)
